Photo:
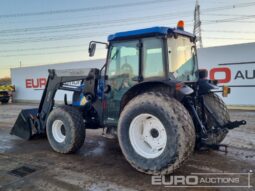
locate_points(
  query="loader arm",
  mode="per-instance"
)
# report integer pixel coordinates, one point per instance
(33, 121)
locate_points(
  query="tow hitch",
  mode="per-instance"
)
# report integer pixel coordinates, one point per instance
(230, 125)
(216, 147)
(234, 124)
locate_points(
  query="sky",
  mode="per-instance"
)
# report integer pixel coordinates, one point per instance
(55, 31)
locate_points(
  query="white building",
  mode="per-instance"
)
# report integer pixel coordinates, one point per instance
(233, 65)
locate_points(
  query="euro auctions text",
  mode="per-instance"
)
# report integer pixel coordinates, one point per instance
(239, 180)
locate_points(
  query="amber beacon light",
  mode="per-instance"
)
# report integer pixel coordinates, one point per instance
(180, 25)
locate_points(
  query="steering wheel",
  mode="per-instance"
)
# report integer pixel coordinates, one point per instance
(127, 69)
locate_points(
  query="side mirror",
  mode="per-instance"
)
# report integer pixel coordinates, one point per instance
(92, 49)
(203, 74)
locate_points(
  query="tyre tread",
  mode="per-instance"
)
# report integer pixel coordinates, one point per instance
(181, 119)
(76, 121)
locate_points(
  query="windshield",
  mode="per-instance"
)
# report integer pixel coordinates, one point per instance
(182, 59)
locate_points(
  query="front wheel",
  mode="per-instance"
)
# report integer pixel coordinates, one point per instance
(156, 133)
(65, 129)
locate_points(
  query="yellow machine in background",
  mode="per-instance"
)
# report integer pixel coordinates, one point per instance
(6, 93)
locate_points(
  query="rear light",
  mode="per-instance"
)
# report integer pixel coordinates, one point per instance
(226, 91)
(178, 86)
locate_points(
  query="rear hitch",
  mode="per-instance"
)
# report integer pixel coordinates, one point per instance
(216, 147)
(234, 124)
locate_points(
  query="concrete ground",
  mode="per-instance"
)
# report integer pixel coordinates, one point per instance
(100, 165)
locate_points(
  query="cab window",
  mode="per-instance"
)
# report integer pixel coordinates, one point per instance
(153, 58)
(123, 60)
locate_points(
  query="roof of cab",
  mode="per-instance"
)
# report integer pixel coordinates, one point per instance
(147, 32)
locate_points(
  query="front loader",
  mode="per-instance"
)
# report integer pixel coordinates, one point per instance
(150, 93)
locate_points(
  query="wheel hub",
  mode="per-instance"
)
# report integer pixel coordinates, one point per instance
(58, 131)
(154, 133)
(63, 130)
(147, 136)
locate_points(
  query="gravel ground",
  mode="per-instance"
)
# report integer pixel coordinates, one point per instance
(100, 165)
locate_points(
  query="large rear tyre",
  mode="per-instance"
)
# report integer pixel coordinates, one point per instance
(156, 133)
(65, 129)
(220, 112)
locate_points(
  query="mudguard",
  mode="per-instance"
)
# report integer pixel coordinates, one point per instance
(167, 85)
(205, 86)
(182, 92)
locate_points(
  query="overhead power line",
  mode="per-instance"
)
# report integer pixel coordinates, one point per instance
(94, 25)
(234, 6)
(72, 36)
(52, 12)
(230, 38)
(105, 7)
(20, 30)
(89, 24)
(232, 19)
(49, 53)
(229, 31)
(224, 14)
(43, 48)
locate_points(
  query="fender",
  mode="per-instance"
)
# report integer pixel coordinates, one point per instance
(205, 86)
(168, 86)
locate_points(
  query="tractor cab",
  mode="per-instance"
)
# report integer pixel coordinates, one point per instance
(148, 55)
(151, 53)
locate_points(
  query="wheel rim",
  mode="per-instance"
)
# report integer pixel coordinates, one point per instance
(147, 136)
(58, 131)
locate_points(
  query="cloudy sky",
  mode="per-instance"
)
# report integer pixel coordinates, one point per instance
(54, 31)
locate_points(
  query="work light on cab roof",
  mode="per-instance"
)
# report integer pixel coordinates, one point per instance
(180, 25)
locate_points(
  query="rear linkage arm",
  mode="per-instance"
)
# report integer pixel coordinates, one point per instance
(189, 102)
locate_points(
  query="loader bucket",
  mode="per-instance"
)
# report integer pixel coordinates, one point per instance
(23, 126)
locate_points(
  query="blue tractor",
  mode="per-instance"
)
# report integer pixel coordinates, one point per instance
(150, 93)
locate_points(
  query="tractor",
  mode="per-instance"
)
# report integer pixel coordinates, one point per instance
(149, 93)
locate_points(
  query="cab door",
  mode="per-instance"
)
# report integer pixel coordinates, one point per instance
(122, 70)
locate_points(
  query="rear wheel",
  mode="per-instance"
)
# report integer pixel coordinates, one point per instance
(220, 112)
(65, 129)
(156, 133)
